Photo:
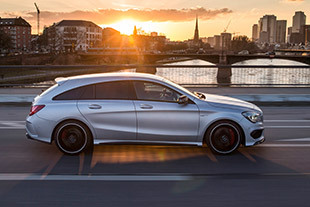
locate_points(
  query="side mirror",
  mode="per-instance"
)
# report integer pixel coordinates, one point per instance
(182, 99)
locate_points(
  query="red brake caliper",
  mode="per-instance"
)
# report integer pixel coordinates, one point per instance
(63, 134)
(232, 136)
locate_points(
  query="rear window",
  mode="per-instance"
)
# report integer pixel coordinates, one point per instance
(84, 92)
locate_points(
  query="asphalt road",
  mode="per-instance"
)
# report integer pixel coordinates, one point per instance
(276, 173)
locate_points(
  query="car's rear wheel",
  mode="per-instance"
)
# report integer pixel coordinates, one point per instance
(223, 137)
(73, 137)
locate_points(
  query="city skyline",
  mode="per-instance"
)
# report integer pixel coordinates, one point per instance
(213, 16)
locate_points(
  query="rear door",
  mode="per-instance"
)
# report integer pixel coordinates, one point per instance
(110, 110)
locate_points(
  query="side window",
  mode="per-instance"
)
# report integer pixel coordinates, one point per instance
(84, 92)
(155, 92)
(115, 90)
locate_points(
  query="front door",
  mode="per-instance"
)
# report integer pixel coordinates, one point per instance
(161, 118)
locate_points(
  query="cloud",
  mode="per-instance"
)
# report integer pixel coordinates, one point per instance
(292, 1)
(108, 16)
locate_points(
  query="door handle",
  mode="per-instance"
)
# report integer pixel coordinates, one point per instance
(146, 106)
(94, 106)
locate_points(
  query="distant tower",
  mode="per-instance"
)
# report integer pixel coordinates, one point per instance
(135, 32)
(196, 36)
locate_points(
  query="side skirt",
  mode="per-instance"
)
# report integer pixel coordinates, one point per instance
(97, 141)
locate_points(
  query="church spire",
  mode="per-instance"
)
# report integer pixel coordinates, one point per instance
(196, 36)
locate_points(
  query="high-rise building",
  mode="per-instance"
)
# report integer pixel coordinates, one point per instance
(255, 32)
(281, 31)
(225, 40)
(299, 19)
(19, 30)
(267, 29)
(306, 34)
(217, 42)
(289, 33)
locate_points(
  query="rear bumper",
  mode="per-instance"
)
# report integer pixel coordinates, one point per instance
(39, 129)
(36, 139)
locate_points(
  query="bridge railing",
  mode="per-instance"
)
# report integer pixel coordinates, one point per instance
(190, 75)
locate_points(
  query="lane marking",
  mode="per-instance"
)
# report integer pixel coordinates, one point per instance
(287, 127)
(12, 124)
(13, 127)
(136, 177)
(31, 177)
(295, 140)
(283, 145)
(287, 120)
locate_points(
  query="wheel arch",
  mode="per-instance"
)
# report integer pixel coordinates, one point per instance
(74, 120)
(221, 120)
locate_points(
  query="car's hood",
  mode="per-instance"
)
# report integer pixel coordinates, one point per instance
(224, 101)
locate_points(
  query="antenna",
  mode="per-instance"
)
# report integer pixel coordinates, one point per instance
(38, 18)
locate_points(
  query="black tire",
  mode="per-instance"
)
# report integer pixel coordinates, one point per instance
(223, 137)
(73, 137)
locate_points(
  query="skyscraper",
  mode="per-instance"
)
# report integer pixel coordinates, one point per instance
(255, 32)
(281, 31)
(267, 29)
(299, 19)
(196, 35)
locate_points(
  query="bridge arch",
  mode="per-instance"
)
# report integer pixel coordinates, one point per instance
(234, 59)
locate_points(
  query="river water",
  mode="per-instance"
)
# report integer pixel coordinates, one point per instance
(240, 76)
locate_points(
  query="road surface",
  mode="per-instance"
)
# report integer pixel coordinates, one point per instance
(276, 173)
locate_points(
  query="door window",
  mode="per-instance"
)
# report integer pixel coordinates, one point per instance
(155, 92)
(119, 90)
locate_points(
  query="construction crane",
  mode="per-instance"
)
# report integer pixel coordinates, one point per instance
(38, 18)
(226, 28)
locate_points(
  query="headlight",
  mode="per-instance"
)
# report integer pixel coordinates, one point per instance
(253, 116)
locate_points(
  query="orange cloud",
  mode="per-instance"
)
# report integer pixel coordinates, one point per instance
(293, 1)
(108, 16)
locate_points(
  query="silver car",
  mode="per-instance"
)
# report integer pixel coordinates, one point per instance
(80, 111)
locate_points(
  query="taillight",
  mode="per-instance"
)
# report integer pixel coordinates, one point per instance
(35, 109)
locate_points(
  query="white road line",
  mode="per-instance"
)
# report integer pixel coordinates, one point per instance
(185, 177)
(31, 177)
(295, 140)
(286, 120)
(12, 127)
(287, 127)
(283, 145)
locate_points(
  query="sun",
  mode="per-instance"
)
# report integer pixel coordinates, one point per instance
(125, 26)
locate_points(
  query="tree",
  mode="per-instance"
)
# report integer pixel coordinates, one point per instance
(5, 41)
(240, 43)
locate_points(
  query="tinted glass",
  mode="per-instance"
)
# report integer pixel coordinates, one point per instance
(115, 90)
(155, 92)
(89, 93)
(85, 92)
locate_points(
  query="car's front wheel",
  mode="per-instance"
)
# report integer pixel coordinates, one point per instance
(73, 137)
(223, 137)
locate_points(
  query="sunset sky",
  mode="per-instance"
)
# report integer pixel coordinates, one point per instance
(174, 18)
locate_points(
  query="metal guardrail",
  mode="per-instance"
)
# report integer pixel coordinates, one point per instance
(191, 75)
(128, 66)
